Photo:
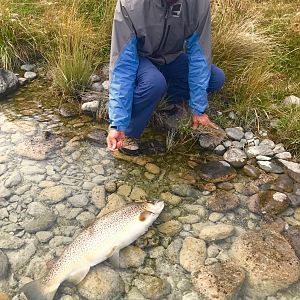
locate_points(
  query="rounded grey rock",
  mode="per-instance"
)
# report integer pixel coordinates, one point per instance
(43, 222)
(95, 78)
(236, 157)
(27, 67)
(30, 75)
(80, 200)
(235, 133)
(97, 87)
(270, 167)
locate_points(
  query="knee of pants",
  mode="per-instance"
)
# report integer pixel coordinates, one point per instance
(154, 86)
(218, 79)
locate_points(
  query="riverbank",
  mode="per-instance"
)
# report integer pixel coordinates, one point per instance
(261, 58)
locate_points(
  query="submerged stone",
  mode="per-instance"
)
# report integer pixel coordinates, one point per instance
(41, 223)
(68, 110)
(294, 199)
(152, 287)
(102, 283)
(292, 234)
(282, 184)
(193, 254)
(98, 137)
(269, 261)
(272, 202)
(10, 242)
(216, 232)
(216, 171)
(220, 281)
(223, 201)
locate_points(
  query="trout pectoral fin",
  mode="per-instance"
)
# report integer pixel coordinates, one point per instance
(78, 276)
(114, 259)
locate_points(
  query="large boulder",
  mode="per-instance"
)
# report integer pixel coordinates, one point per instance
(8, 82)
(102, 283)
(221, 281)
(269, 261)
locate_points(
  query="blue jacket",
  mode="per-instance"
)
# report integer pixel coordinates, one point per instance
(152, 29)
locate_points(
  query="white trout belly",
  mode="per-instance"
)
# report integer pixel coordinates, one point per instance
(100, 254)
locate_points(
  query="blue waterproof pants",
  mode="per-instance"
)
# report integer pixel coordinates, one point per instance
(154, 81)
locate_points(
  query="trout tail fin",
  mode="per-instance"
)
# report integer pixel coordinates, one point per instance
(35, 290)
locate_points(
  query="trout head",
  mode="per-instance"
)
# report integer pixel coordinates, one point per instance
(151, 211)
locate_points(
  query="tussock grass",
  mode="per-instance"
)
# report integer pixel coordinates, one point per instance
(71, 58)
(257, 45)
(16, 42)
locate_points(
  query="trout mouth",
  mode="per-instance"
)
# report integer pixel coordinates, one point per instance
(155, 208)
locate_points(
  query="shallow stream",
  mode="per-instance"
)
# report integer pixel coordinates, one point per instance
(54, 182)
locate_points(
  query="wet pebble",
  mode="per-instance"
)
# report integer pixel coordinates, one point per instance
(223, 201)
(40, 223)
(170, 198)
(152, 287)
(10, 242)
(170, 228)
(192, 254)
(44, 236)
(79, 200)
(152, 168)
(216, 171)
(138, 194)
(132, 257)
(216, 232)
(54, 194)
(110, 186)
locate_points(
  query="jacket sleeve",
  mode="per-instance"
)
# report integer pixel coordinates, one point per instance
(123, 68)
(198, 49)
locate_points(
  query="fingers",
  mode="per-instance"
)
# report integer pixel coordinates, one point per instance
(120, 144)
(111, 144)
(195, 125)
(212, 125)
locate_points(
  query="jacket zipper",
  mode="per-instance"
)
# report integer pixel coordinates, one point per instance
(166, 38)
(164, 30)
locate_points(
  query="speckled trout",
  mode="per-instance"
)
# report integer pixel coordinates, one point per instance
(98, 242)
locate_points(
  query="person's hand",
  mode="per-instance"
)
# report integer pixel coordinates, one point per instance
(115, 139)
(202, 120)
